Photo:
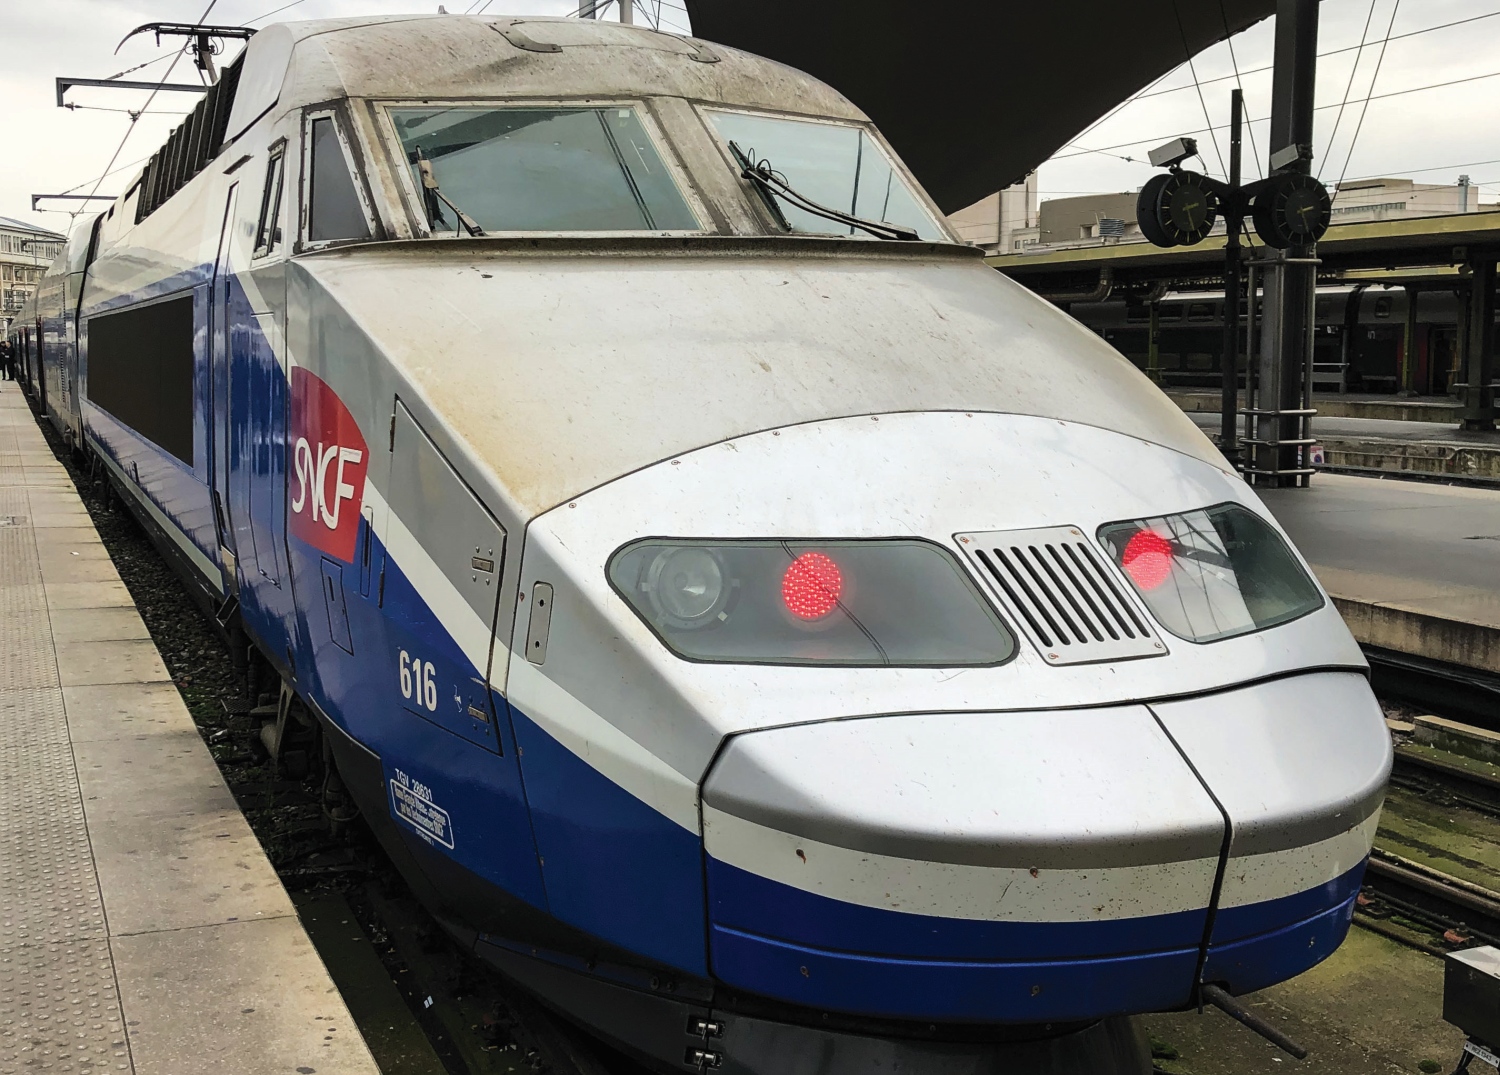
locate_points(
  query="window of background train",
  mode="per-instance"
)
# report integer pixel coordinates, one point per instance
(334, 207)
(834, 164)
(541, 169)
(268, 227)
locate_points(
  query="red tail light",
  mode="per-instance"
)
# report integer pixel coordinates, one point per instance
(1147, 559)
(811, 586)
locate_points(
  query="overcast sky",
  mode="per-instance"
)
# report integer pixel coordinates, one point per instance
(1432, 135)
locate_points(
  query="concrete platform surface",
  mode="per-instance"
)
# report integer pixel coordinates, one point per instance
(142, 928)
(1413, 566)
(1437, 409)
(1329, 428)
(1397, 446)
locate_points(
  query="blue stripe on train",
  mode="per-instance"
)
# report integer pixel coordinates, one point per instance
(776, 940)
(741, 900)
(1256, 962)
(968, 990)
(1234, 923)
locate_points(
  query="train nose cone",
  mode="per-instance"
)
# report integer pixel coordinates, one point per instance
(1299, 766)
(983, 866)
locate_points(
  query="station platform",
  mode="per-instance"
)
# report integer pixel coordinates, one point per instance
(1413, 566)
(142, 928)
(1396, 445)
(1439, 410)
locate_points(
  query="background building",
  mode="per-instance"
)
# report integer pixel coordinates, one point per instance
(1012, 222)
(1002, 223)
(25, 253)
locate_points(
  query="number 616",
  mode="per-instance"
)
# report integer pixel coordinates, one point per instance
(418, 682)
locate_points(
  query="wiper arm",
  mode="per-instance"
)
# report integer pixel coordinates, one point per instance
(432, 193)
(772, 185)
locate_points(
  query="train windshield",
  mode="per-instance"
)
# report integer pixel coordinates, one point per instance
(539, 169)
(833, 164)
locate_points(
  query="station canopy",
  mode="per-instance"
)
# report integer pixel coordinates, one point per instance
(976, 93)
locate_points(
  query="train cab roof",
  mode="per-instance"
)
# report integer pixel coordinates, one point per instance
(292, 65)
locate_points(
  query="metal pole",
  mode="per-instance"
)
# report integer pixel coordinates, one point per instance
(1290, 283)
(1479, 392)
(1409, 347)
(627, 12)
(1153, 342)
(588, 9)
(1229, 392)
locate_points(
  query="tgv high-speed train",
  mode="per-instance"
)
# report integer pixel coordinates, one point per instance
(774, 638)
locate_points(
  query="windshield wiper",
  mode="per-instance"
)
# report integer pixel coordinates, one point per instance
(772, 185)
(432, 193)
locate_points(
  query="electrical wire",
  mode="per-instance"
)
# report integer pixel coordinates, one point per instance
(1325, 55)
(1108, 150)
(71, 107)
(1349, 87)
(274, 11)
(133, 119)
(131, 70)
(1364, 111)
(1193, 70)
(1240, 85)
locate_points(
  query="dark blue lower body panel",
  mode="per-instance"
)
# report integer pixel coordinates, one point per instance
(1261, 961)
(952, 990)
(614, 867)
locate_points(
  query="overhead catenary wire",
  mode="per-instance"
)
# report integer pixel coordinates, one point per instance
(134, 119)
(1349, 86)
(1396, 7)
(1108, 150)
(1193, 70)
(1150, 90)
(1239, 84)
(1322, 56)
(274, 11)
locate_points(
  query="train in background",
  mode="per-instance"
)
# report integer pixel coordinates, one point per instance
(777, 640)
(1359, 339)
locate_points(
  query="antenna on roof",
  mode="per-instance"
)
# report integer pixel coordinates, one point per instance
(204, 48)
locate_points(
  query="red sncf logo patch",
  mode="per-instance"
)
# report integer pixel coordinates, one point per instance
(329, 461)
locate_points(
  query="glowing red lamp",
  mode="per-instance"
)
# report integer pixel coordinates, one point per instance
(1147, 559)
(811, 586)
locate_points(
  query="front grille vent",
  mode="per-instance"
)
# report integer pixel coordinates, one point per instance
(1071, 604)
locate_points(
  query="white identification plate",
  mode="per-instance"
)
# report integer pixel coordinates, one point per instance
(1482, 1053)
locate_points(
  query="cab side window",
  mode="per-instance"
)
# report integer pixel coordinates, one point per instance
(268, 229)
(334, 207)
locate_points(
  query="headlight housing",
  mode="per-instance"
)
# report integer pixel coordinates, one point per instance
(854, 603)
(1213, 573)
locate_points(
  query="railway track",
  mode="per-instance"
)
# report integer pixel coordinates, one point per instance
(1400, 892)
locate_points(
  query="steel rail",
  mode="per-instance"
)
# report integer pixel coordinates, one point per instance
(1433, 897)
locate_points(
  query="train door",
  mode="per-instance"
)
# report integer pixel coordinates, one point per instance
(76, 372)
(41, 358)
(218, 346)
(256, 412)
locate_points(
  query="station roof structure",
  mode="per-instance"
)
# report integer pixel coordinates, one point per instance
(976, 93)
(1361, 250)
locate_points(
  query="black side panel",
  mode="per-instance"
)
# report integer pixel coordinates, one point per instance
(141, 371)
